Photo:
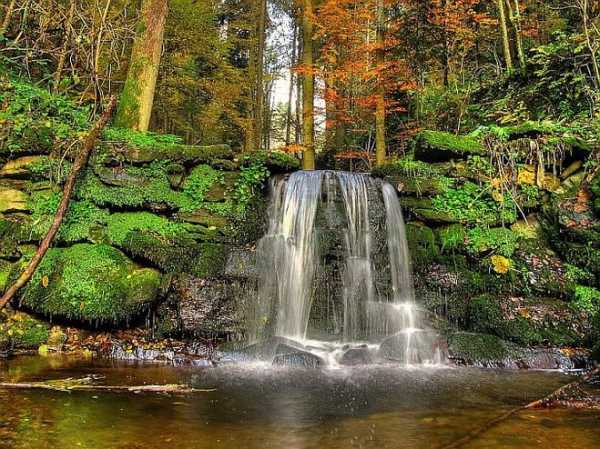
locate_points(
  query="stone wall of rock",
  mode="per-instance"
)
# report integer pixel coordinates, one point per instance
(152, 233)
(505, 245)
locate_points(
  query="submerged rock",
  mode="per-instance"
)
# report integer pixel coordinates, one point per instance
(357, 356)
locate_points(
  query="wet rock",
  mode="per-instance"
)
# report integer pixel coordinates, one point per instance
(206, 306)
(357, 356)
(417, 347)
(296, 358)
(241, 264)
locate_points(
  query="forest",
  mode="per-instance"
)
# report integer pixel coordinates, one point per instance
(373, 205)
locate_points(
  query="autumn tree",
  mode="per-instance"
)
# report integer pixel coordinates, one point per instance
(137, 98)
(308, 86)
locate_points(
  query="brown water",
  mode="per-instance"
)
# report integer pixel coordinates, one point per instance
(256, 407)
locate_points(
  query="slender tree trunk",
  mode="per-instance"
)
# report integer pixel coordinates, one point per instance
(259, 104)
(288, 116)
(380, 151)
(308, 87)
(137, 98)
(584, 8)
(299, 96)
(79, 164)
(505, 38)
(7, 16)
(514, 14)
(65, 48)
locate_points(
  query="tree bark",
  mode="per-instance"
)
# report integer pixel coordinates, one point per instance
(8, 15)
(288, 116)
(515, 20)
(505, 38)
(79, 164)
(308, 87)
(584, 8)
(135, 104)
(259, 101)
(65, 48)
(380, 150)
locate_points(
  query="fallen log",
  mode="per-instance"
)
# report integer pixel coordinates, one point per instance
(555, 399)
(87, 384)
(81, 161)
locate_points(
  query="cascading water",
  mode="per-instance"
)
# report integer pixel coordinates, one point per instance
(326, 274)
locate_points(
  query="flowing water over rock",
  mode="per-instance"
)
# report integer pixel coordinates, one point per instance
(335, 276)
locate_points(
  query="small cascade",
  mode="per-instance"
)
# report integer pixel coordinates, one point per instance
(335, 275)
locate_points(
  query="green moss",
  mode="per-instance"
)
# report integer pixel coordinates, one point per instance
(452, 237)
(139, 139)
(90, 282)
(121, 225)
(22, 330)
(413, 176)
(82, 217)
(422, 243)
(473, 204)
(502, 241)
(46, 168)
(431, 145)
(152, 189)
(586, 299)
(197, 185)
(274, 161)
(481, 348)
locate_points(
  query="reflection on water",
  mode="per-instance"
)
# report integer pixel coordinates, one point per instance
(260, 407)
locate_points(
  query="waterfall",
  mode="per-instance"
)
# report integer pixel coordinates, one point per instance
(359, 281)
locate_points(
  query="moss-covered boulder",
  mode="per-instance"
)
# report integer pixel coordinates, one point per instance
(92, 283)
(22, 331)
(432, 146)
(12, 200)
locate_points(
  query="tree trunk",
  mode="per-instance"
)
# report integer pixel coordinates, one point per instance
(135, 105)
(8, 15)
(65, 48)
(584, 8)
(79, 164)
(505, 38)
(308, 88)
(299, 96)
(288, 116)
(259, 101)
(380, 151)
(515, 20)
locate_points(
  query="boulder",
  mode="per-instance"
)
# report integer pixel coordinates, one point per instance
(204, 217)
(189, 154)
(437, 146)
(207, 306)
(12, 200)
(412, 347)
(90, 283)
(357, 356)
(19, 166)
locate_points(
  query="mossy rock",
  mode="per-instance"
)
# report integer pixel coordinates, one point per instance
(435, 146)
(452, 237)
(22, 330)
(186, 154)
(11, 234)
(422, 242)
(12, 200)
(204, 217)
(413, 177)
(90, 283)
(276, 162)
(482, 349)
(20, 166)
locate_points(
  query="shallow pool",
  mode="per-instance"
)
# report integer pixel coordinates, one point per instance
(255, 406)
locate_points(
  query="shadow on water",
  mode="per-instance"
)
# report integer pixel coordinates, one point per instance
(258, 406)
